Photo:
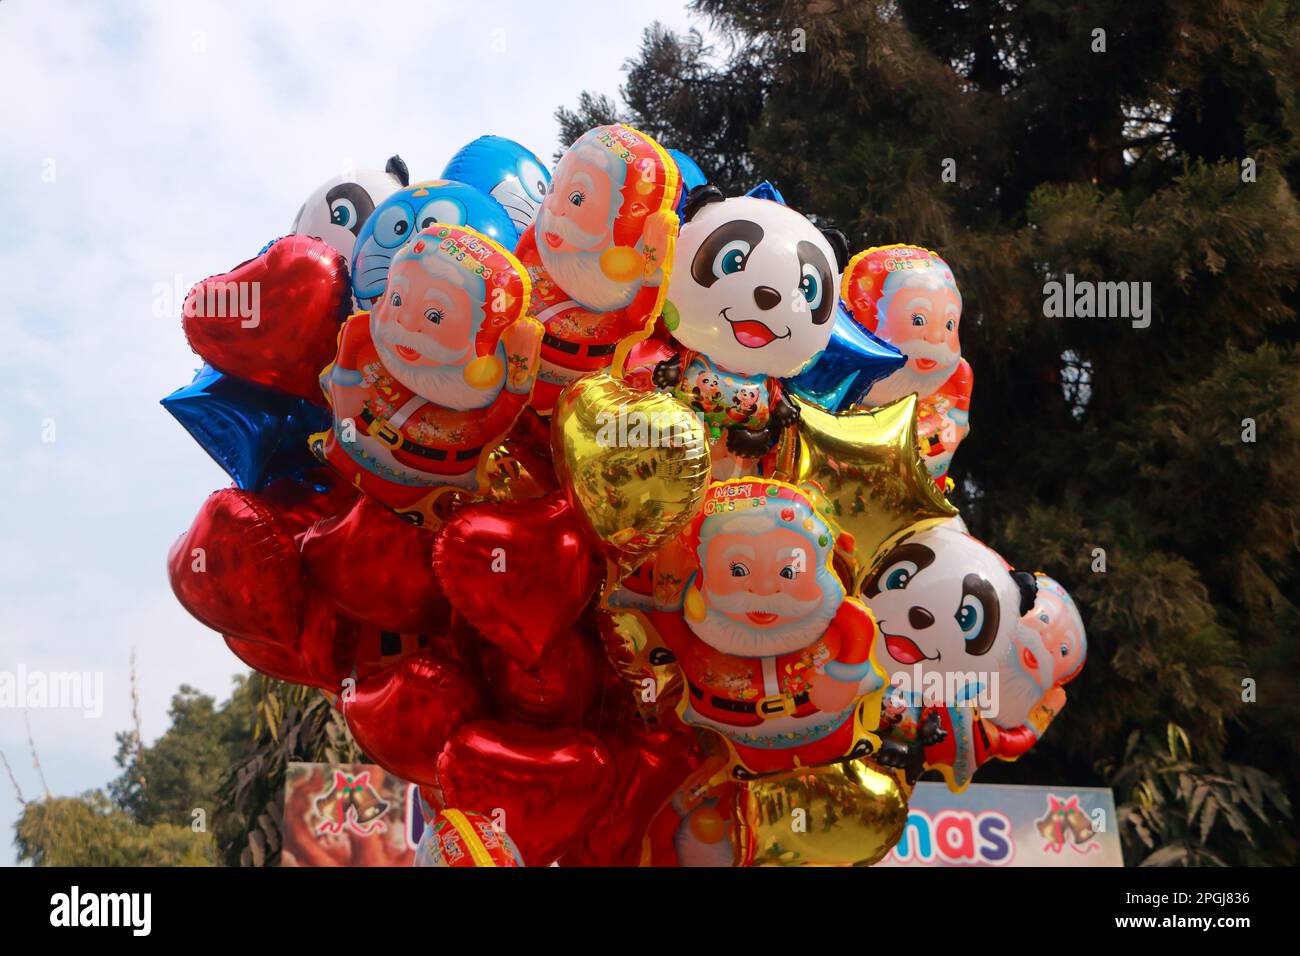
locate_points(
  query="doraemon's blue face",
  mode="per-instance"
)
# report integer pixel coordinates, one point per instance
(412, 210)
(506, 171)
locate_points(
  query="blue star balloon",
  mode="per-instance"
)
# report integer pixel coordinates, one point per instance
(691, 174)
(255, 434)
(766, 190)
(509, 173)
(852, 362)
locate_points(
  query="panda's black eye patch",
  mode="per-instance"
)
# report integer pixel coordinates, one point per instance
(976, 586)
(360, 200)
(747, 232)
(810, 255)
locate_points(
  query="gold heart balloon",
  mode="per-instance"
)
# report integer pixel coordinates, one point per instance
(866, 474)
(634, 464)
(845, 814)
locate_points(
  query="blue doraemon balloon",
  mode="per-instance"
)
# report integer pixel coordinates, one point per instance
(506, 171)
(411, 210)
(690, 172)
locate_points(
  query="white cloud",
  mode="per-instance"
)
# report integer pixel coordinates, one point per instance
(149, 140)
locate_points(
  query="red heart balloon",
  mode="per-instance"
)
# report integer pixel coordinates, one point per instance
(238, 571)
(650, 764)
(320, 657)
(376, 568)
(402, 716)
(549, 782)
(519, 571)
(558, 689)
(275, 318)
(322, 493)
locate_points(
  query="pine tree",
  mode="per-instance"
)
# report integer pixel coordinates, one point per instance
(1114, 142)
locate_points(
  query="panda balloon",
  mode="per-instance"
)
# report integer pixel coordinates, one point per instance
(949, 609)
(337, 209)
(751, 301)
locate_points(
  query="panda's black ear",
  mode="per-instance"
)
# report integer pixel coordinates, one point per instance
(1028, 590)
(698, 198)
(397, 167)
(840, 243)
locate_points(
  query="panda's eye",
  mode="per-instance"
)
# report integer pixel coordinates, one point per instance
(810, 284)
(731, 258)
(393, 225)
(896, 577)
(440, 210)
(343, 213)
(918, 318)
(970, 617)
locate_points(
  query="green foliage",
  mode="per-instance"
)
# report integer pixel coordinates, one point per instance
(91, 830)
(1123, 165)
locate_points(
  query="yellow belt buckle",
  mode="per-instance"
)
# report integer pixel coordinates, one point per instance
(386, 433)
(778, 705)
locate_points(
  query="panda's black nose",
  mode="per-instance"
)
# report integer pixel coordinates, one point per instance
(766, 297)
(919, 618)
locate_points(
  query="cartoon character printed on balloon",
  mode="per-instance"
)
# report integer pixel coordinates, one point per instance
(425, 385)
(948, 608)
(1047, 651)
(777, 660)
(410, 211)
(509, 173)
(336, 211)
(599, 253)
(752, 295)
(908, 297)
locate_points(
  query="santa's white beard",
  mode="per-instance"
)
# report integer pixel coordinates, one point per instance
(443, 385)
(729, 636)
(908, 380)
(579, 273)
(1018, 692)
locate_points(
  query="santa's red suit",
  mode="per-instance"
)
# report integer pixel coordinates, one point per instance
(422, 436)
(972, 742)
(740, 695)
(577, 341)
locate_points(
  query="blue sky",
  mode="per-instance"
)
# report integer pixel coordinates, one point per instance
(157, 143)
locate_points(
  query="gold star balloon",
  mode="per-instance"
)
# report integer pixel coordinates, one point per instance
(866, 474)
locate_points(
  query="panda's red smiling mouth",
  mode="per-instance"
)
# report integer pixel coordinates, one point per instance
(905, 650)
(752, 333)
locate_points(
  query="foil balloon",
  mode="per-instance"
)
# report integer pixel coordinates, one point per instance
(765, 190)
(541, 784)
(949, 609)
(639, 656)
(237, 569)
(699, 831)
(842, 815)
(336, 210)
(851, 363)
(599, 254)
(274, 319)
(559, 689)
(866, 474)
(776, 659)
(255, 434)
(321, 493)
(509, 173)
(402, 716)
(908, 297)
(452, 838)
(635, 465)
(689, 172)
(375, 568)
(424, 387)
(519, 571)
(409, 212)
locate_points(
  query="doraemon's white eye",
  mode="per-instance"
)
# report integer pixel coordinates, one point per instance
(810, 284)
(343, 213)
(731, 258)
(393, 225)
(446, 211)
(533, 179)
